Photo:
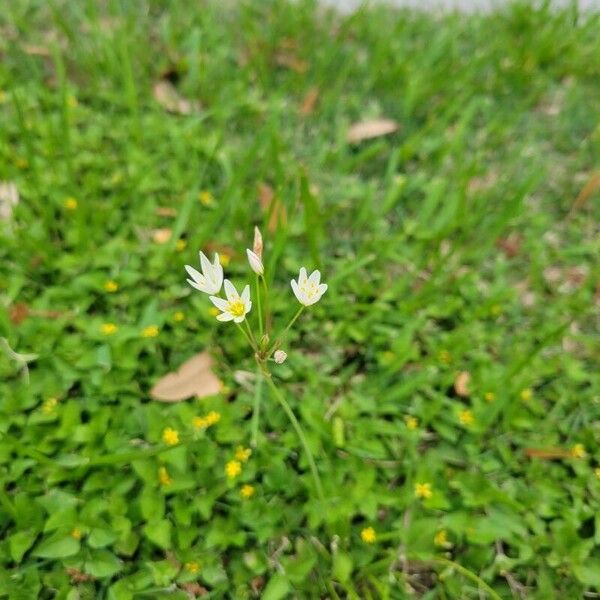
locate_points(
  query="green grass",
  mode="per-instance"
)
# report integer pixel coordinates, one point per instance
(499, 131)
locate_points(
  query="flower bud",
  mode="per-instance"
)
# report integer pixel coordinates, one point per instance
(279, 356)
(258, 243)
(255, 262)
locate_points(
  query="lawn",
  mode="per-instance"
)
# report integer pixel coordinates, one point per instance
(447, 383)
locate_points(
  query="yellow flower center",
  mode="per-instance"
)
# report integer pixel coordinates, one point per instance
(237, 308)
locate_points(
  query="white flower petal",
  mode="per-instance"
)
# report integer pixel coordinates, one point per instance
(314, 278)
(230, 291)
(195, 274)
(200, 288)
(247, 307)
(322, 288)
(205, 264)
(302, 277)
(225, 317)
(246, 295)
(296, 291)
(219, 303)
(238, 319)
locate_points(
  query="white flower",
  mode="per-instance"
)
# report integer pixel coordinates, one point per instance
(236, 307)
(211, 278)
(279, 356)
(255, 262)
(308, 290)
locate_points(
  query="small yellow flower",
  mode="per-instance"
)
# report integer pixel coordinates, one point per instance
(490, 396)
(466, 417)
(411, 422)
(170, 436)
(214, 311)
(224, 259)
(445, 356)
(199, 422)
(49, 405)
(150, 331)
(164, 477)
(206, 198)
(242, 454)
(578, 451)
(247, 491)
(526, 394)
(108, 328)
(423, 490)
(76, 533)
(192, 566)
(70, 204)
(21, 163)
(179, 316)
(368, 535)
(213, 417)
(233, 468)
(441, 538)
(180, 245)
(111, 286)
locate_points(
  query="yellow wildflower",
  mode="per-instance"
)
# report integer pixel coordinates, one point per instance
(224, 259)
(411, 422)
(192, 566)
(242, 454)
(170, 436)
(214, 311)
(233, 468)
(76, 533)
(441, 538)
(213, 417)
(164, 477)
(466, 417)
(423, 490)
(111, 286)
(526, 394)
(180, 245)
(179, 316)
(578, 451)
(206, 198)
(247, 491)
(368, 535)
(108, 328)
(199, 422)
(70, 204)
(49, 405)
(150, 331)
(490, 396)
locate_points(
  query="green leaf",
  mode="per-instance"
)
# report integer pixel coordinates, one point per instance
(342, 566)
(102, 563)
(588, 573)
(57, 546)
(20, 542)
(277, 588)
(159, 532)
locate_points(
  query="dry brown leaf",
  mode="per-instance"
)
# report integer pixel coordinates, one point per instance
(169, 98)
(273, 206)
(161, 236)
(461, 383)
(548, 453)
(510, 245)
(166, 211)
(310, 101)
(592, 186)
(9, 197)
(17, 313)
(367, 130)
(291, 61)
(33, 50)
(195, 378)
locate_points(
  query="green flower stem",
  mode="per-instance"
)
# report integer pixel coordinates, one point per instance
(248, 338)
(256, 409)
(267, 314)
(469, 575)
(259, 306)
(292, 417)
(281, 337)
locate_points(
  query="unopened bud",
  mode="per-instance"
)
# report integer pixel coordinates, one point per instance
(279, 356)
(258, 243)
(255, 262)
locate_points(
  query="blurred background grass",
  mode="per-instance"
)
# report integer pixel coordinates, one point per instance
(464, 242)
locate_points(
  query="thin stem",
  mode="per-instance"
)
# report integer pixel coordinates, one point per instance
(258, 303)
(248, 338)
(292, 417)
(469, 575)
(254, 342)
(267, 313)
(287, 328)
(256, 409)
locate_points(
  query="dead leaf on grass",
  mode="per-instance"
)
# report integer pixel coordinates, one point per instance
(309, 103)
(169, 98)
(195, 378)
(161, 236)
(461, 384)
(367, 130)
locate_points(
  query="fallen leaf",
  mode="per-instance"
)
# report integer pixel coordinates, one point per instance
(367, 130)
(461, 383)
(310, 101)
(18, 313)
(548, 453)
(169, 98)
(166, 211)
(195, 378)
(33, 50)
(272, 206)
(592, 186)
(161, 236)
(9, 197)
(510, 245)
